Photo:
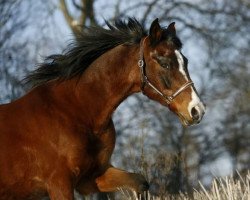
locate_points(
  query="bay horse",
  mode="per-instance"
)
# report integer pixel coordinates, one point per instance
(59, 137)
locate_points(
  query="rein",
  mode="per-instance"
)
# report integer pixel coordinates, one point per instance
(145, 81)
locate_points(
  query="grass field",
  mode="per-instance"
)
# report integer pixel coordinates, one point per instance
(221, 189)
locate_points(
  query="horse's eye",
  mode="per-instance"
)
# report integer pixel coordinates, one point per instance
(165, 65)
(164, 62)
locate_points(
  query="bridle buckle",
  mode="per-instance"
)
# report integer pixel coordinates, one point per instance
(141, 63)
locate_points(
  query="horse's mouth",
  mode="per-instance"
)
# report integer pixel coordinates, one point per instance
(184, 121)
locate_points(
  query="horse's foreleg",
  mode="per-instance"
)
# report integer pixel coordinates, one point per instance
(114, 178)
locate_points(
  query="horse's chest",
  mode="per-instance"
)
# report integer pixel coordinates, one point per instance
(94, 154)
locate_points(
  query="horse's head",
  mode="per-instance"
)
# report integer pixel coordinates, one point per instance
(165, 76)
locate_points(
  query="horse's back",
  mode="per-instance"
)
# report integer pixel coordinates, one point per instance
(9, 121)
(11, 124)
(41, 138)
(15, 158)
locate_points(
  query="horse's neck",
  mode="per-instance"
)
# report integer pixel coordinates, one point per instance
(106, 83)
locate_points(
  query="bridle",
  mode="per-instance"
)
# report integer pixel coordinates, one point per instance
(145, 81)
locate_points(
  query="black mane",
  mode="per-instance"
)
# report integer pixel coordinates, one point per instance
(91, 43)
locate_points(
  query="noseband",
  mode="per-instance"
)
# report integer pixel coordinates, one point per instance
(145, 81)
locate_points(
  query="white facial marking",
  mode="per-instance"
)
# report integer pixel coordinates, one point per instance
(181, 63)
(195, 101)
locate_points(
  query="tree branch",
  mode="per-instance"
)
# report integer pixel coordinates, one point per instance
(72, 23)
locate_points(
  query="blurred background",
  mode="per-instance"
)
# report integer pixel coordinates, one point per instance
(150, 139)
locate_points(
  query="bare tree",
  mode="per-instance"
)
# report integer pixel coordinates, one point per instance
(85, 9)
(19, 20)
(9, 28)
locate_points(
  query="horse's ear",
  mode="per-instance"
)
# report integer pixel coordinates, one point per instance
(171, 28)
(155, 32)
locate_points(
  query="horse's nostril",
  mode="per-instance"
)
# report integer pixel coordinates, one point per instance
(195, 113)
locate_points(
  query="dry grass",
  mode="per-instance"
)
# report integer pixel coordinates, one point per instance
(226, 189)
(221, 189)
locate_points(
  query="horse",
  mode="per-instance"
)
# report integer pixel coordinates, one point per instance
(59, 136)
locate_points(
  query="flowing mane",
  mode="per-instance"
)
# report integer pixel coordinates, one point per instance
(89, 44)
